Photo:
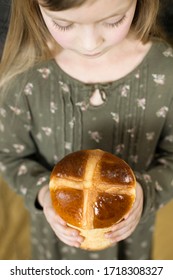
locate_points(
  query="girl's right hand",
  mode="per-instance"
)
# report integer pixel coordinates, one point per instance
(65, 233)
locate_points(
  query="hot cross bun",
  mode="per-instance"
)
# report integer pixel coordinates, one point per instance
(92, 190)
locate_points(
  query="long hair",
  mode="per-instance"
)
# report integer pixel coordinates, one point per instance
(28, 40)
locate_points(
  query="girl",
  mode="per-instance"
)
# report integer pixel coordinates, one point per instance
(85, 75)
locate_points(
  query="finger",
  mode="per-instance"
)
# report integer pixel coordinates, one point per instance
(67, 234)
(53, 217)
(136, 207)
(78, 239)
(70, 242)
(135, 211)
(65, 230)
(123, 224)
(70, 239)
(124, 228)
(121, 234)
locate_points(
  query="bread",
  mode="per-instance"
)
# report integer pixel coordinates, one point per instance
(92, 190)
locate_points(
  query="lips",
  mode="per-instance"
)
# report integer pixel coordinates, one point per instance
(92, 55)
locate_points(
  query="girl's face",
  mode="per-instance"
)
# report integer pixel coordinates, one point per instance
(93, 28)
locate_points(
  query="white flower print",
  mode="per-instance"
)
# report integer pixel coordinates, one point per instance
(48, 254)
(161, 113)
(7, 151)
(129, 240)
(82, 105)
(45, 72)
(152, 228)
(128, 252)
(16, 110)
(161, 206)
(28, 89)
(53, 107)
(68, 146)
(68, 250)
(147, 178)
(137, 75)
(115, 117)
(2, 167)
(95, 135)
(119, 148)
(169, 138)
(150, 136)
(125, 90)
(134, 158)
(144, 244)
(164, 162)
(158, 187)
(3, 112)
(22, 170)
(39, 136)
(94, 256)
(159, 79)
(168, 52)
(72, 122)
(23, 190)
(64, 87)
(27, 127)
(141, 103)
(47, 130)
(55, 159)
(41, 180)
(131, 131)
(19, 148)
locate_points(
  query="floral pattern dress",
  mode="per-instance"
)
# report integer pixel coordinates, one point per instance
(55, 114)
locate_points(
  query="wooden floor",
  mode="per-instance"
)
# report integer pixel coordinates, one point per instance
(14, 229)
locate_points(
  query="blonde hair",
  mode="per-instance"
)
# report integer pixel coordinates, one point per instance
(28, 37)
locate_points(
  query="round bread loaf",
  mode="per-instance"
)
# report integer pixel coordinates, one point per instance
(92, 190)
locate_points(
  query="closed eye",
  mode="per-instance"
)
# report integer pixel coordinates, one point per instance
(61, 27)
(115, 24)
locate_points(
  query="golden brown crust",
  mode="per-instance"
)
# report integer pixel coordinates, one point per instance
(92, 190)
(72, 166)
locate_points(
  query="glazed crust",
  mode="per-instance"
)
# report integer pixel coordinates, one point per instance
(92, 190)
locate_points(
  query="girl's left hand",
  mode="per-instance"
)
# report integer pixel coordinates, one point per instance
(125, 228)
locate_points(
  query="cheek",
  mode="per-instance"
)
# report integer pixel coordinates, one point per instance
(120, 34)
(60, 37)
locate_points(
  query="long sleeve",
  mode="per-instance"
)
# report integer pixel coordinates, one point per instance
(21, 163)
(157, 181)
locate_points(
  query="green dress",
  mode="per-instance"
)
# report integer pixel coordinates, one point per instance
(56, 114)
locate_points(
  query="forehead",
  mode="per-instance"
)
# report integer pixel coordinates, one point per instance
(92, 11)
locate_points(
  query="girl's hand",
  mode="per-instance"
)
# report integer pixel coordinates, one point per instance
(125, 228)
(65, 233)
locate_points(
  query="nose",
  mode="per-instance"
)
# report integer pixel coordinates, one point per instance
(91, 39)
